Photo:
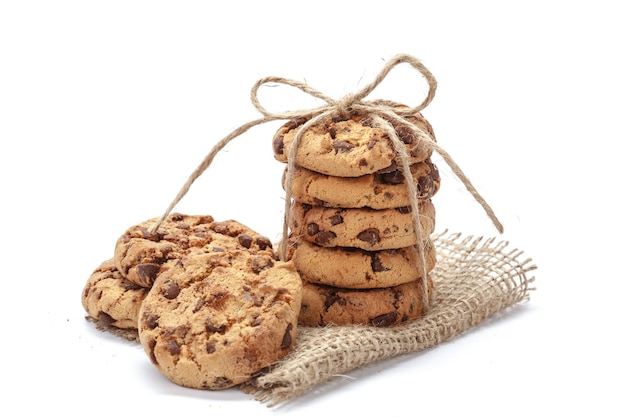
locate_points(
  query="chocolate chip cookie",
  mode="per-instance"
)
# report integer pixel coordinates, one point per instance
(362, 228)
(383, 189)
(141, 255)
(322, 305)
(350, 146)
(357, 268)
(214, 318)
(111, 299)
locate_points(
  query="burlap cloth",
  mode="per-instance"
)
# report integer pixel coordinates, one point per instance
(474, 279)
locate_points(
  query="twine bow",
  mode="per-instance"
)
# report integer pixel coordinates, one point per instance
(382, 112)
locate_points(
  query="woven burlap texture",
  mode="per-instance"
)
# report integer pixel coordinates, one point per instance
(474, 279)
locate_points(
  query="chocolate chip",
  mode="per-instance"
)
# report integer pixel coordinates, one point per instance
(220, 228)
(292, 124)
(342, 146)
(151, 320)
(367, 122)
(362, 162)
(105, 319)
(335, 219)
(405, 134)
(177, 217)
(425, 187)
(210, 347)
(128, 286)
(404, 210)
(245, 240)
(278, 144)
(371, 236)
(312, 229)
(259, 263)
(151, 346)
(256, 321)
(324, 237)
(339, 118)
(434, 171)
(377, 265)
(146, 273)
(212, 328)
(286, 343)
(319, 202)
(171, 291)
(372, 143)
(331, 297)
(263, 243)
(384, 319)
(394, 177)
(173, 347)
(333, 133)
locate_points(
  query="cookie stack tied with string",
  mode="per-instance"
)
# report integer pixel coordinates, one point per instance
(360, 186)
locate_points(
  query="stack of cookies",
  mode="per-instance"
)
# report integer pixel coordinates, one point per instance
(352, 236)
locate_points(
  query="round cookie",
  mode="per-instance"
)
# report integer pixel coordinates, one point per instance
(111, 299)
(141, 255)
(362, 228)
(383, 189)
(214, 319)
(357, 268)
(382, 307)
(349, 146)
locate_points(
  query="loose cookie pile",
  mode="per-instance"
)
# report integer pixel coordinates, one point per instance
(211, 303)
(352, 231)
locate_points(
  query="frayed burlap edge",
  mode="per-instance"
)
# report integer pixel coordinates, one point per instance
(474, 278)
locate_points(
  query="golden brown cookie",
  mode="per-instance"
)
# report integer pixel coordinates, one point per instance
(141, 255)
(358, 268)
(111, 299)
(213, 319)
(350, 146)
(381, 190)
(322, 305)
(362, 228)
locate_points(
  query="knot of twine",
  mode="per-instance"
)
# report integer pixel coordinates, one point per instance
(382, 112)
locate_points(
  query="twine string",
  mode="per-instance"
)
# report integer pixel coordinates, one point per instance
(400, 148)
(351, 103)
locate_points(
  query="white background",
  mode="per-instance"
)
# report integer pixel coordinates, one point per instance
(107, 107)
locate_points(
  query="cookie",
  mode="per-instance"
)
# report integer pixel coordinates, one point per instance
(141, 255)
(383, 189)
(349, 146)
(357, 268)
(362, 228)
(382, 307)
(111, 299)
(213, 319)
